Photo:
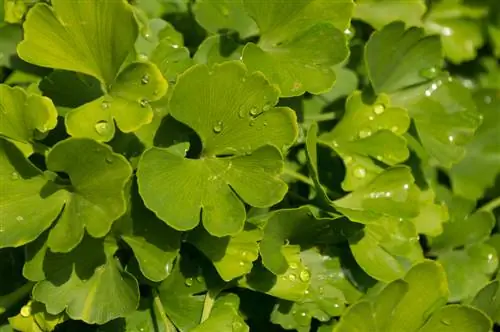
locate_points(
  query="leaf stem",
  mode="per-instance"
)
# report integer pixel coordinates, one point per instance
(207, 305)
(299, 177)
(6, 301)
(491, 205)
(169, 326)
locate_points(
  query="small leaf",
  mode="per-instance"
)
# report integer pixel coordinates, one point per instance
(380, 13)
(237, 156)
(127, 103)
(231, 256)
(91, 37)
(288, 34)
(217, 15)
(224, 316)
(397, 58)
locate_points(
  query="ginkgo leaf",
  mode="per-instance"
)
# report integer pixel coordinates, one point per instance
(456, 317)
(224, 316)
(92, 200)
(24, 117)
(217, 15)
(232, 256)
(92, 37)
(488, 300)
(368, 131)
(94, 290)
(380, 13)
(34, 318)
(240, 132)
(295, 48)
(127, 103)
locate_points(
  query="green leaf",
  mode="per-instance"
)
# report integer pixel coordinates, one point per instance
(289, 31)
(459, 27)
(488, 300)
(455, 317)
(481, 165)
(217, 15)
(25, 117)
(236, 134)
(380, 13)
(127, 103)
(403, 305)
(231, 256)
(34, 318)
(94, 290)
(217, 49)
(224, 316)
(91, 37)
(445, 117)
(155, 245)
(397, 58)
(468, 270)
(368, 131)
(10, 36)
(298, 227)
(290, 285)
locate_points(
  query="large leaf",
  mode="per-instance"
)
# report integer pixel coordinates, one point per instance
(240, 132)
(488, 300)
(92, 37)
(300, 42)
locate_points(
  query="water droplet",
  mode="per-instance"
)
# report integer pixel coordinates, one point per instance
(237, 326)
(168, 267)
(406, 186)
(14, 176)
(321, 277)
(264, 124)
(142, 57)
(20, 218)
(292, 277)
(378, 109)
(335, 144)
(145, 79)
(348, 159)
(447, 31)
(102, 127)
(266, 108)
(365, 133)
(254, 112)
(306, 292)
(252, 123)
(242, 263)
(359, 172)
(321, 290)
(394, 129)
(293, 266)
(105, 105)
(144, 103)
(451, 138)
(218, 127)
(429, 73)
(305, 275)
(189, 282)
(26, 311)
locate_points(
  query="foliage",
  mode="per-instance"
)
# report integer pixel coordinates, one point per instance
(237, 165)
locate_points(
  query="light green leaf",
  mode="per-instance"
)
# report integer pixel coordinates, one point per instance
(29, 202)
(397, 58)
(25, 117)
(379, 13)
(34, 318)
(232, 256)
(432, 215)
(92, 37)
(217, 49)
(94, 290)
(224, 316)
(236, 128)
(298, 226)
(445, 117)
(155, 245)
(290, 285)
(481, 165)
(368, 131)
(403, 305)
(217, 15)
(289, 31)
(127, 103)
(488, 300)
(468, 270)
(15, 10)
(457, 318)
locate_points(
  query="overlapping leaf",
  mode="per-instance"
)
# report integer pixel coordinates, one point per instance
(300, 42)
(379, 13)
(240, 132)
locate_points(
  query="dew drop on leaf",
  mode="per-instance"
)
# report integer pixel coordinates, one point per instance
(378, 109)
(218, 127)
(292, 277)
(365, 133)
(348, 159)
(145, 79)
(168, 268)
(237, 326)
(254, 111)
(394, 129)
(20, 218)
(304, 275)
(359, 172)
(293, 266)
(26, 311)
(244, 253)
(429, 73)
(266, 108)
(144, 103)
(189, 282)
(265, 124)
(102, 127)
(143, 57)
(14, 176)
(105, 105)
